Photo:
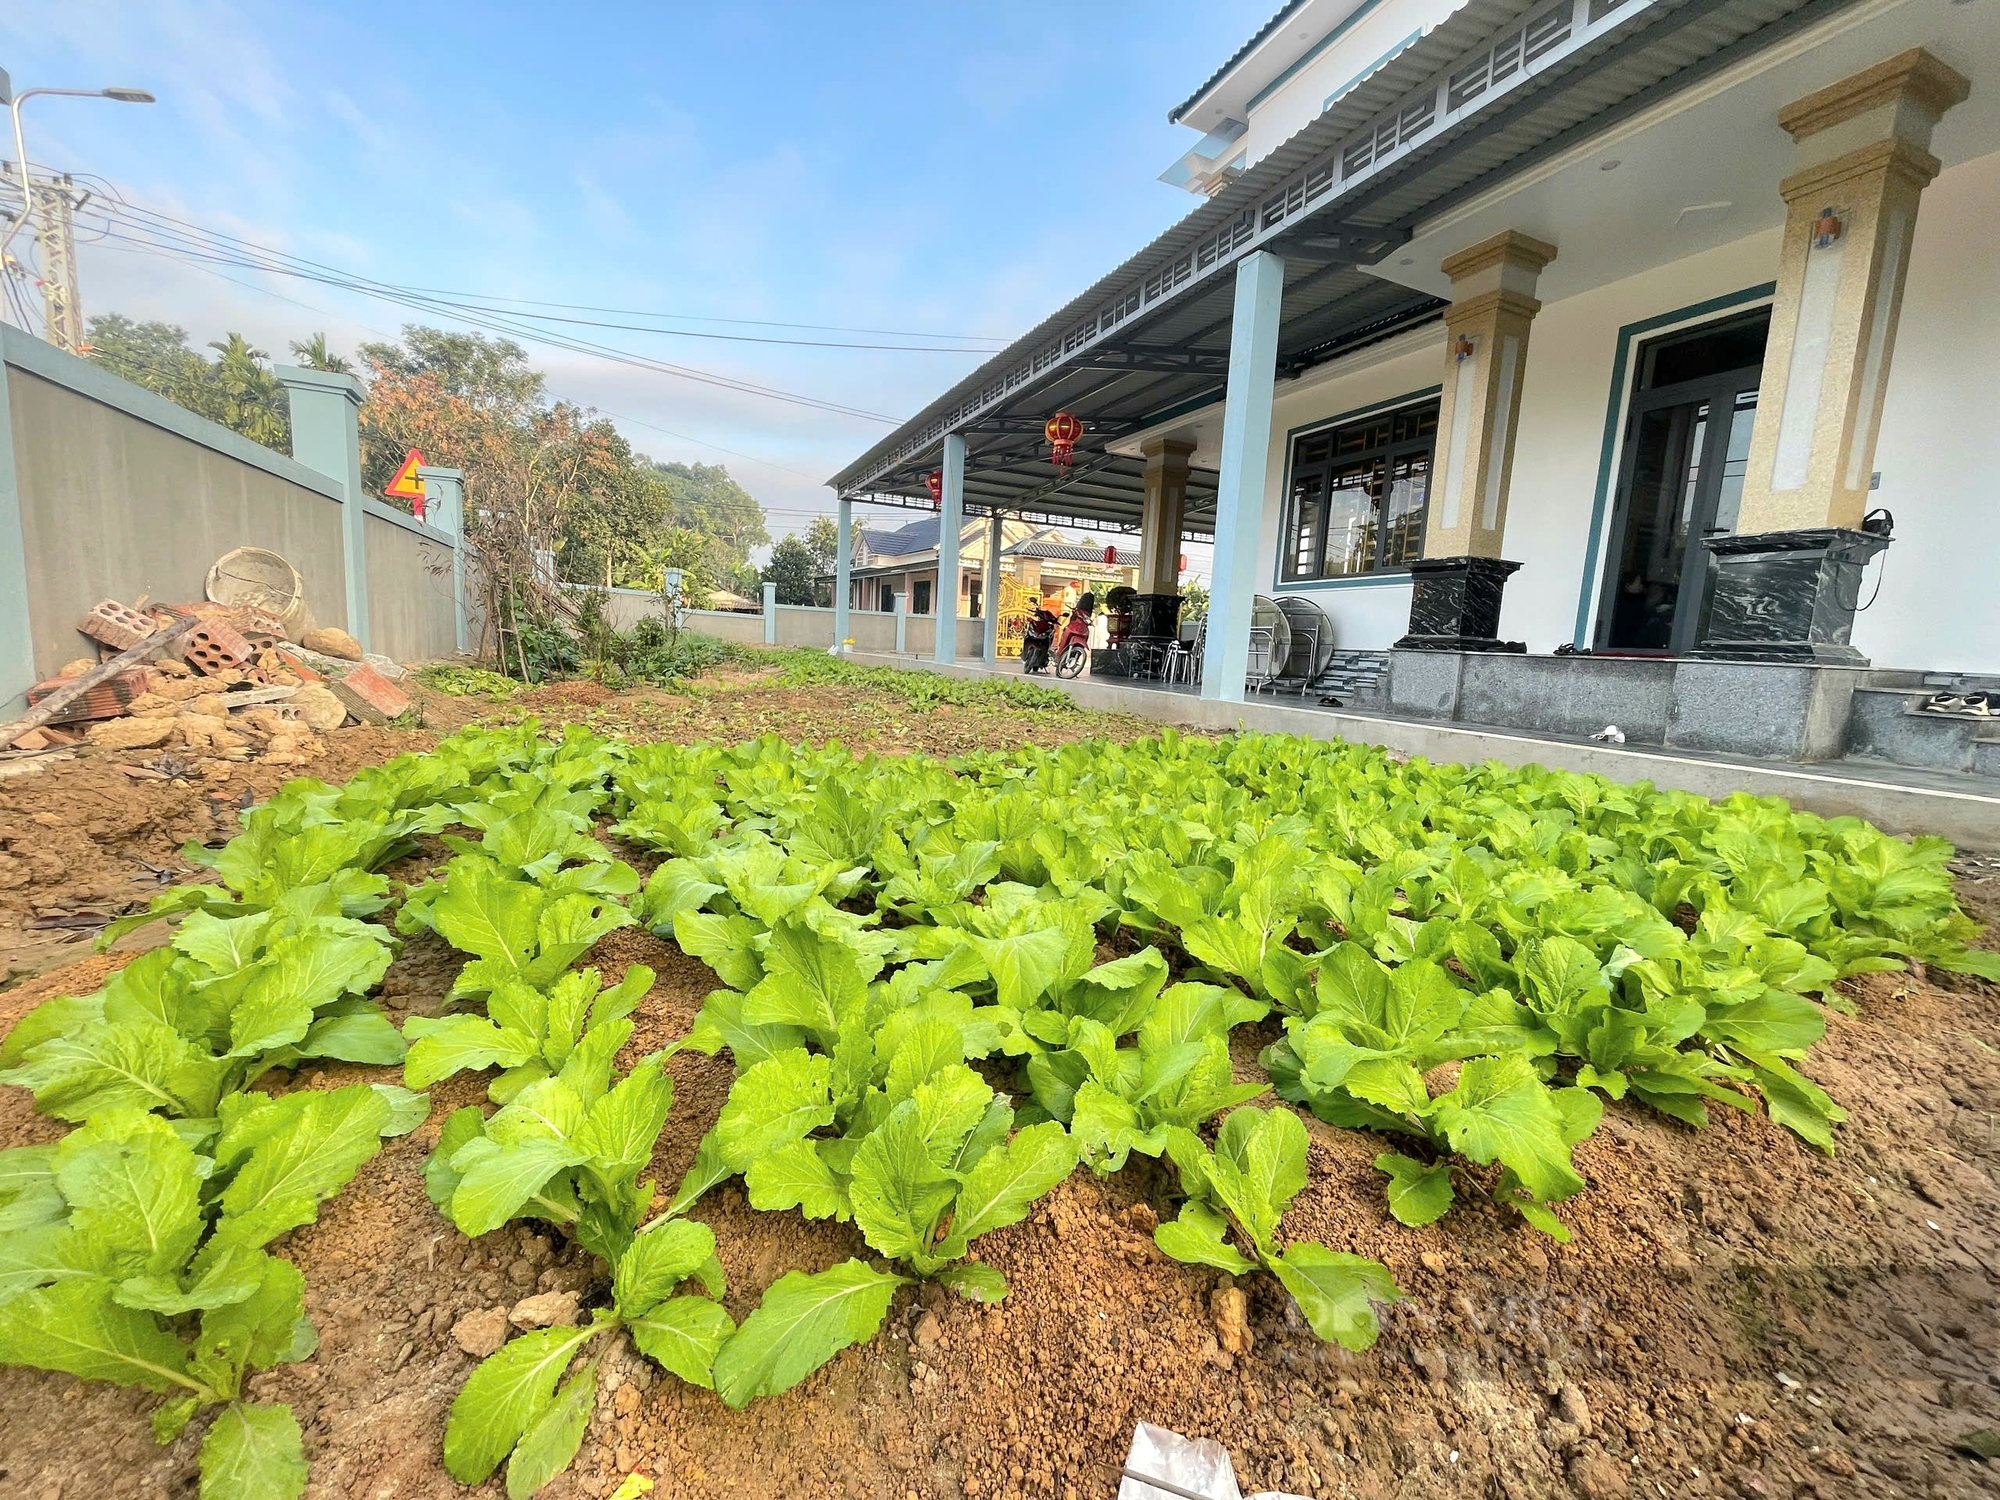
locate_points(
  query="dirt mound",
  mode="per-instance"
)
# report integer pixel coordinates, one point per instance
(1735, 1315)
(82, 833)
(567, 694)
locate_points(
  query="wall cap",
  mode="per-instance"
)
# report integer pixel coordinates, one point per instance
(298, 378)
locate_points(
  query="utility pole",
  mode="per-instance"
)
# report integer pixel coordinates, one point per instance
(50, 206)
(62, 307)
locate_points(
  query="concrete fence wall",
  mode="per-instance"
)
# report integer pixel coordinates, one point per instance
(790, 624)
(108, 491)
(410, 608)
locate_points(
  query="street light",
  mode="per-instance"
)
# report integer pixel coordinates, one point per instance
(14, 103)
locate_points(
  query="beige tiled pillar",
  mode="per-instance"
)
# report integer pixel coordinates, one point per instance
(1165, 508)
(1863, 154)
(1457, 583)
(1486, 355)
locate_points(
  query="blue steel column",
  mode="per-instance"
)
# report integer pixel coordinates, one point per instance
(843, 572)
(444, 508)
(326, 437)
(990, 593)
(1246, 460)
(951, 521)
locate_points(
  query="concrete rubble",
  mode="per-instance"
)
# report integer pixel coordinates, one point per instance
(234, 687)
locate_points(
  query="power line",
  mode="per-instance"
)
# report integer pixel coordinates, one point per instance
(191, 242)
(632, 312)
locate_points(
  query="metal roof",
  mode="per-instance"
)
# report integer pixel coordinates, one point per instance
(1494, 88)
(1174, 114)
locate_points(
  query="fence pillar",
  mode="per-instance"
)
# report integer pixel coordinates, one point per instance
(843, 572)
(17, 637)
(770, 614)
(902, 620)
(326, 437)
(444, 508)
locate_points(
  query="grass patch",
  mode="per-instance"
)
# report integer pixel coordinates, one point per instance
(919, 689)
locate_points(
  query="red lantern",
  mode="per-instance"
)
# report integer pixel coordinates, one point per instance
(1110, 557)
(1063, 430)
(934, 482)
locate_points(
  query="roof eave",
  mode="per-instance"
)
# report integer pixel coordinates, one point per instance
(1236, 60)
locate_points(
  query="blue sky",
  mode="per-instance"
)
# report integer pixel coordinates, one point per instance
(956, 168)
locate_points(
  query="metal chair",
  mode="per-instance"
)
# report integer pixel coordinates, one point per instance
(1263, 646)
(1183, 662)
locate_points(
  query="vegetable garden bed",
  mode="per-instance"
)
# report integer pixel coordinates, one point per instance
(1101, 1073)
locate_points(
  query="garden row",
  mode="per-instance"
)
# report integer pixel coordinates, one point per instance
(945, 986)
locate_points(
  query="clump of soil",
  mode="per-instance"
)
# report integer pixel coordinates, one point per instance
(83, 834)
(1734, 1316)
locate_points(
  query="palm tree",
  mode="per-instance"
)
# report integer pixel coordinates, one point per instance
(250, 396)
(315, 355)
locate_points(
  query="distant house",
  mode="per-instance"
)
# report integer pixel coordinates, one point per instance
(903, 563)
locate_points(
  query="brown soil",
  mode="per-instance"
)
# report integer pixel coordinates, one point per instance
(1734, 1316)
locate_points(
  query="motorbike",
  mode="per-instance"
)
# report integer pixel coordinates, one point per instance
(1037, 642)
(1073, 649)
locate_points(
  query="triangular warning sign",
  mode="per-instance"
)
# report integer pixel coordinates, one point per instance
(406, 486)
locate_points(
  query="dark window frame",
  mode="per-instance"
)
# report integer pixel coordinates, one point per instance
(1380, 440)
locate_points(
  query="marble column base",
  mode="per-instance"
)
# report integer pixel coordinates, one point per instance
(1455, 605)
(1787, 596)
(1156, 617)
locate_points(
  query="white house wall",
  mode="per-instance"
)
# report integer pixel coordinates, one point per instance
(1559, 447)
(1366, 612)
(1332, 63)
(1939, 451)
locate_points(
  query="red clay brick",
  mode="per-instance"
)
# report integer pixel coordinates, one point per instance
(215, 646)
(116, 625)
(107, 700)
(368, 695)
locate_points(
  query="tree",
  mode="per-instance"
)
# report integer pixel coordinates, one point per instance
(247, 396)
(822, 539)
(1194, 600)
(314, 355)
(791, 569)
(237, 389)
(707, 501)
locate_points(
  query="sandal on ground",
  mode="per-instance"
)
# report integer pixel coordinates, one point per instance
(1943, 703)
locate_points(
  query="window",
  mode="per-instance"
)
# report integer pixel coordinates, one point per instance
(1357, 498)
(920, 597)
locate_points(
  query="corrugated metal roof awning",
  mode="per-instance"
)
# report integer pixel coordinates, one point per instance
(1494, 88)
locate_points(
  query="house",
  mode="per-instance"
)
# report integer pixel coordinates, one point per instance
(1592, 361)
(903, 563)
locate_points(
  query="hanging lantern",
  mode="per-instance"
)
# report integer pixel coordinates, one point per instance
(1062, 430)
(934, 482)
(1110, 557)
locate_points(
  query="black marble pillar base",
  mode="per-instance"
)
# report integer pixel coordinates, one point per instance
(1787, 596)
(1155, 617)
(1455, 605)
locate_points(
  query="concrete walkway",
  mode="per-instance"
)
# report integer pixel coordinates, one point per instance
(1898, 799)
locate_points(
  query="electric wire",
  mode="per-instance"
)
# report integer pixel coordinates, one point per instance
(516, 330)
(195, 244)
